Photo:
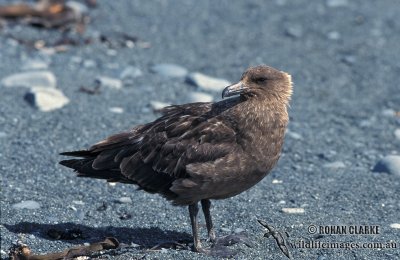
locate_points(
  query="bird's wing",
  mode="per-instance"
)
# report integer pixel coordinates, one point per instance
(183, 135)
(156, 154)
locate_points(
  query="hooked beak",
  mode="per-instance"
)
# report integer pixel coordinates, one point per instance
(233, 89)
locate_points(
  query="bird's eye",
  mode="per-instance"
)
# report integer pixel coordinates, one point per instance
(261, 80)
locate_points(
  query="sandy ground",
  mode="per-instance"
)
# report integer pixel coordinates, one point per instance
(344, 58)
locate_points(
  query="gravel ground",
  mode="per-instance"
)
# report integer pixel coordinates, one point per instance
(344, 59)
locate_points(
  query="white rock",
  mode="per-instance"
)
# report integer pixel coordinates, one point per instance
(126, 200)
(397, 133)
(333, 35)
(388, 112)
(395, 225)
(46, 99)
(77, 7)
(130, 73)
(293, 210)
(389, 164)
(89, 64)
(169, 70)
(44, 79)
(28, 204)
(206, 82)
(336, 3)
(35, 64)
(117, 110)
(200, 97)
(275, 181)
(335, 165)
(109, 82)
(157, 105)
(293, 135)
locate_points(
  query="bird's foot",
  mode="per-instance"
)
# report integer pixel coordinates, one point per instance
(221, 244)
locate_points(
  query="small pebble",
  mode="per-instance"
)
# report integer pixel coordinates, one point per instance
(337, 3)
(78, 202)
(395, 225)
(89, 64)
(349, 59)
(109, 82)
(157, 105)
(46, 99)
(200, 97)
(117, 110)
(389, 164)
(169, 70)
(238, 230)
(275, 181)
(206, 82)
(225, 230)
(45, 79)
(295, 31)
(27, 204)
(334, 35)
(293, 210)
(335, 165)
(125, 200)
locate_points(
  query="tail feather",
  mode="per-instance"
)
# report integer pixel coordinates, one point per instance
(81, 153)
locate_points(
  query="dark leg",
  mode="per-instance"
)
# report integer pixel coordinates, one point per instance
(193, 210)
(206, 204)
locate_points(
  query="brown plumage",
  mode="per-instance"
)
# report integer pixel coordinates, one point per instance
(200, 151)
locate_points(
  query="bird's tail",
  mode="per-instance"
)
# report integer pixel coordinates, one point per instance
(84, 167)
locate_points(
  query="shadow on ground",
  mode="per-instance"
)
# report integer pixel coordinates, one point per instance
(144, 237)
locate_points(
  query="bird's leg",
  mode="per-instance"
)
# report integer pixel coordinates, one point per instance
(193, 210)
(205, 205)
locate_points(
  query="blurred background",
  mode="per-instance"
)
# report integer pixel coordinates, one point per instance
(74, 72)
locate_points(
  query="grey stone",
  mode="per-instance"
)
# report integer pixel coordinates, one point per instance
(389, 164)
(46, 99)
(335, 165)
(44, 79)
(169, 70)
(206, 82)
(157, 105)
(337, 3)
(125, 200)
(349, 59)
(27, 204)
(200, 97)
(295, 31)
(109, 82)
